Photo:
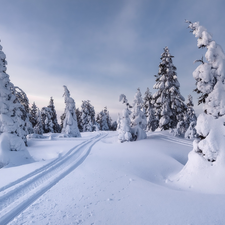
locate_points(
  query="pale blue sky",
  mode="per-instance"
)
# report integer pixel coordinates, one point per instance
(101, 48)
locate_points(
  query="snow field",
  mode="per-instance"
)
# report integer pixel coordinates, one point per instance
(127, 183)
(16, 196)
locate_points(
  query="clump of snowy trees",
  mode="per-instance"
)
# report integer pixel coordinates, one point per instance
(164, 110)
(132, 123)
(17, 119)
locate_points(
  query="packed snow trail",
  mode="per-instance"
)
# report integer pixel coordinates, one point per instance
(18, 195)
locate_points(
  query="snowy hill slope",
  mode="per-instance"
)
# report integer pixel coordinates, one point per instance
(116, 183)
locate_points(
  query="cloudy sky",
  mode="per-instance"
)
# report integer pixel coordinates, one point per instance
(101, 48)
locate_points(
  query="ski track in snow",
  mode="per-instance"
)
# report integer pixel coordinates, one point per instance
(18, 195)
(173, 139)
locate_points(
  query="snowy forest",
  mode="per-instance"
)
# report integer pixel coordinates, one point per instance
(158, 113)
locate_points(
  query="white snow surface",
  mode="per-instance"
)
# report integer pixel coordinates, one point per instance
(94, 179)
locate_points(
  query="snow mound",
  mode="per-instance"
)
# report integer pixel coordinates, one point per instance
(201, 175)
(8, 156)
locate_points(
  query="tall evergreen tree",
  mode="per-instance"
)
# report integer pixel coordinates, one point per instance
(79, 120)
(33, 114)
(47, 120)
(87, 116)
(70, 128)
(108, 118)
(38, 128)
(210, 82)
(168, 101)
(11, 116)
(152, 122)
(24, 101)
(190, 115)
(55, 126)
(103, 120)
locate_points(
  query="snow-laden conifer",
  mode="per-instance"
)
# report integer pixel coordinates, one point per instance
(47, 120)
(103, 119)
(138, 118)
(79, 120)
(185, 119)
(210, 81)
(33, 114)
(87, 116)
(190, 120)
(152, 122)
(124, 130)
(26, 117)
(168, 101)
(11, 116)
(70, 128)
(38, 128)
(55, 126)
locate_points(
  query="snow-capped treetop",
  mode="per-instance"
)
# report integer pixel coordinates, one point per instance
(123, 99)
(138, 99)
(210, 75)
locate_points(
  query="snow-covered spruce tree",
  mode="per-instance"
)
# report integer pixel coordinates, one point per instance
(138, 118)
(185, 120)
(47, 120)
(124, 130)
(33, 114)
(70, 128)
(168, 102)
(104, 120)
(152, 122)
(38, 128)
(24, 101)
(190, 120)
(87, 116)
(56, 128)
(79, 120)
(210, 81)
(12, 124)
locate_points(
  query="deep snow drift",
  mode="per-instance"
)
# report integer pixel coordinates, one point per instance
(116, 183)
